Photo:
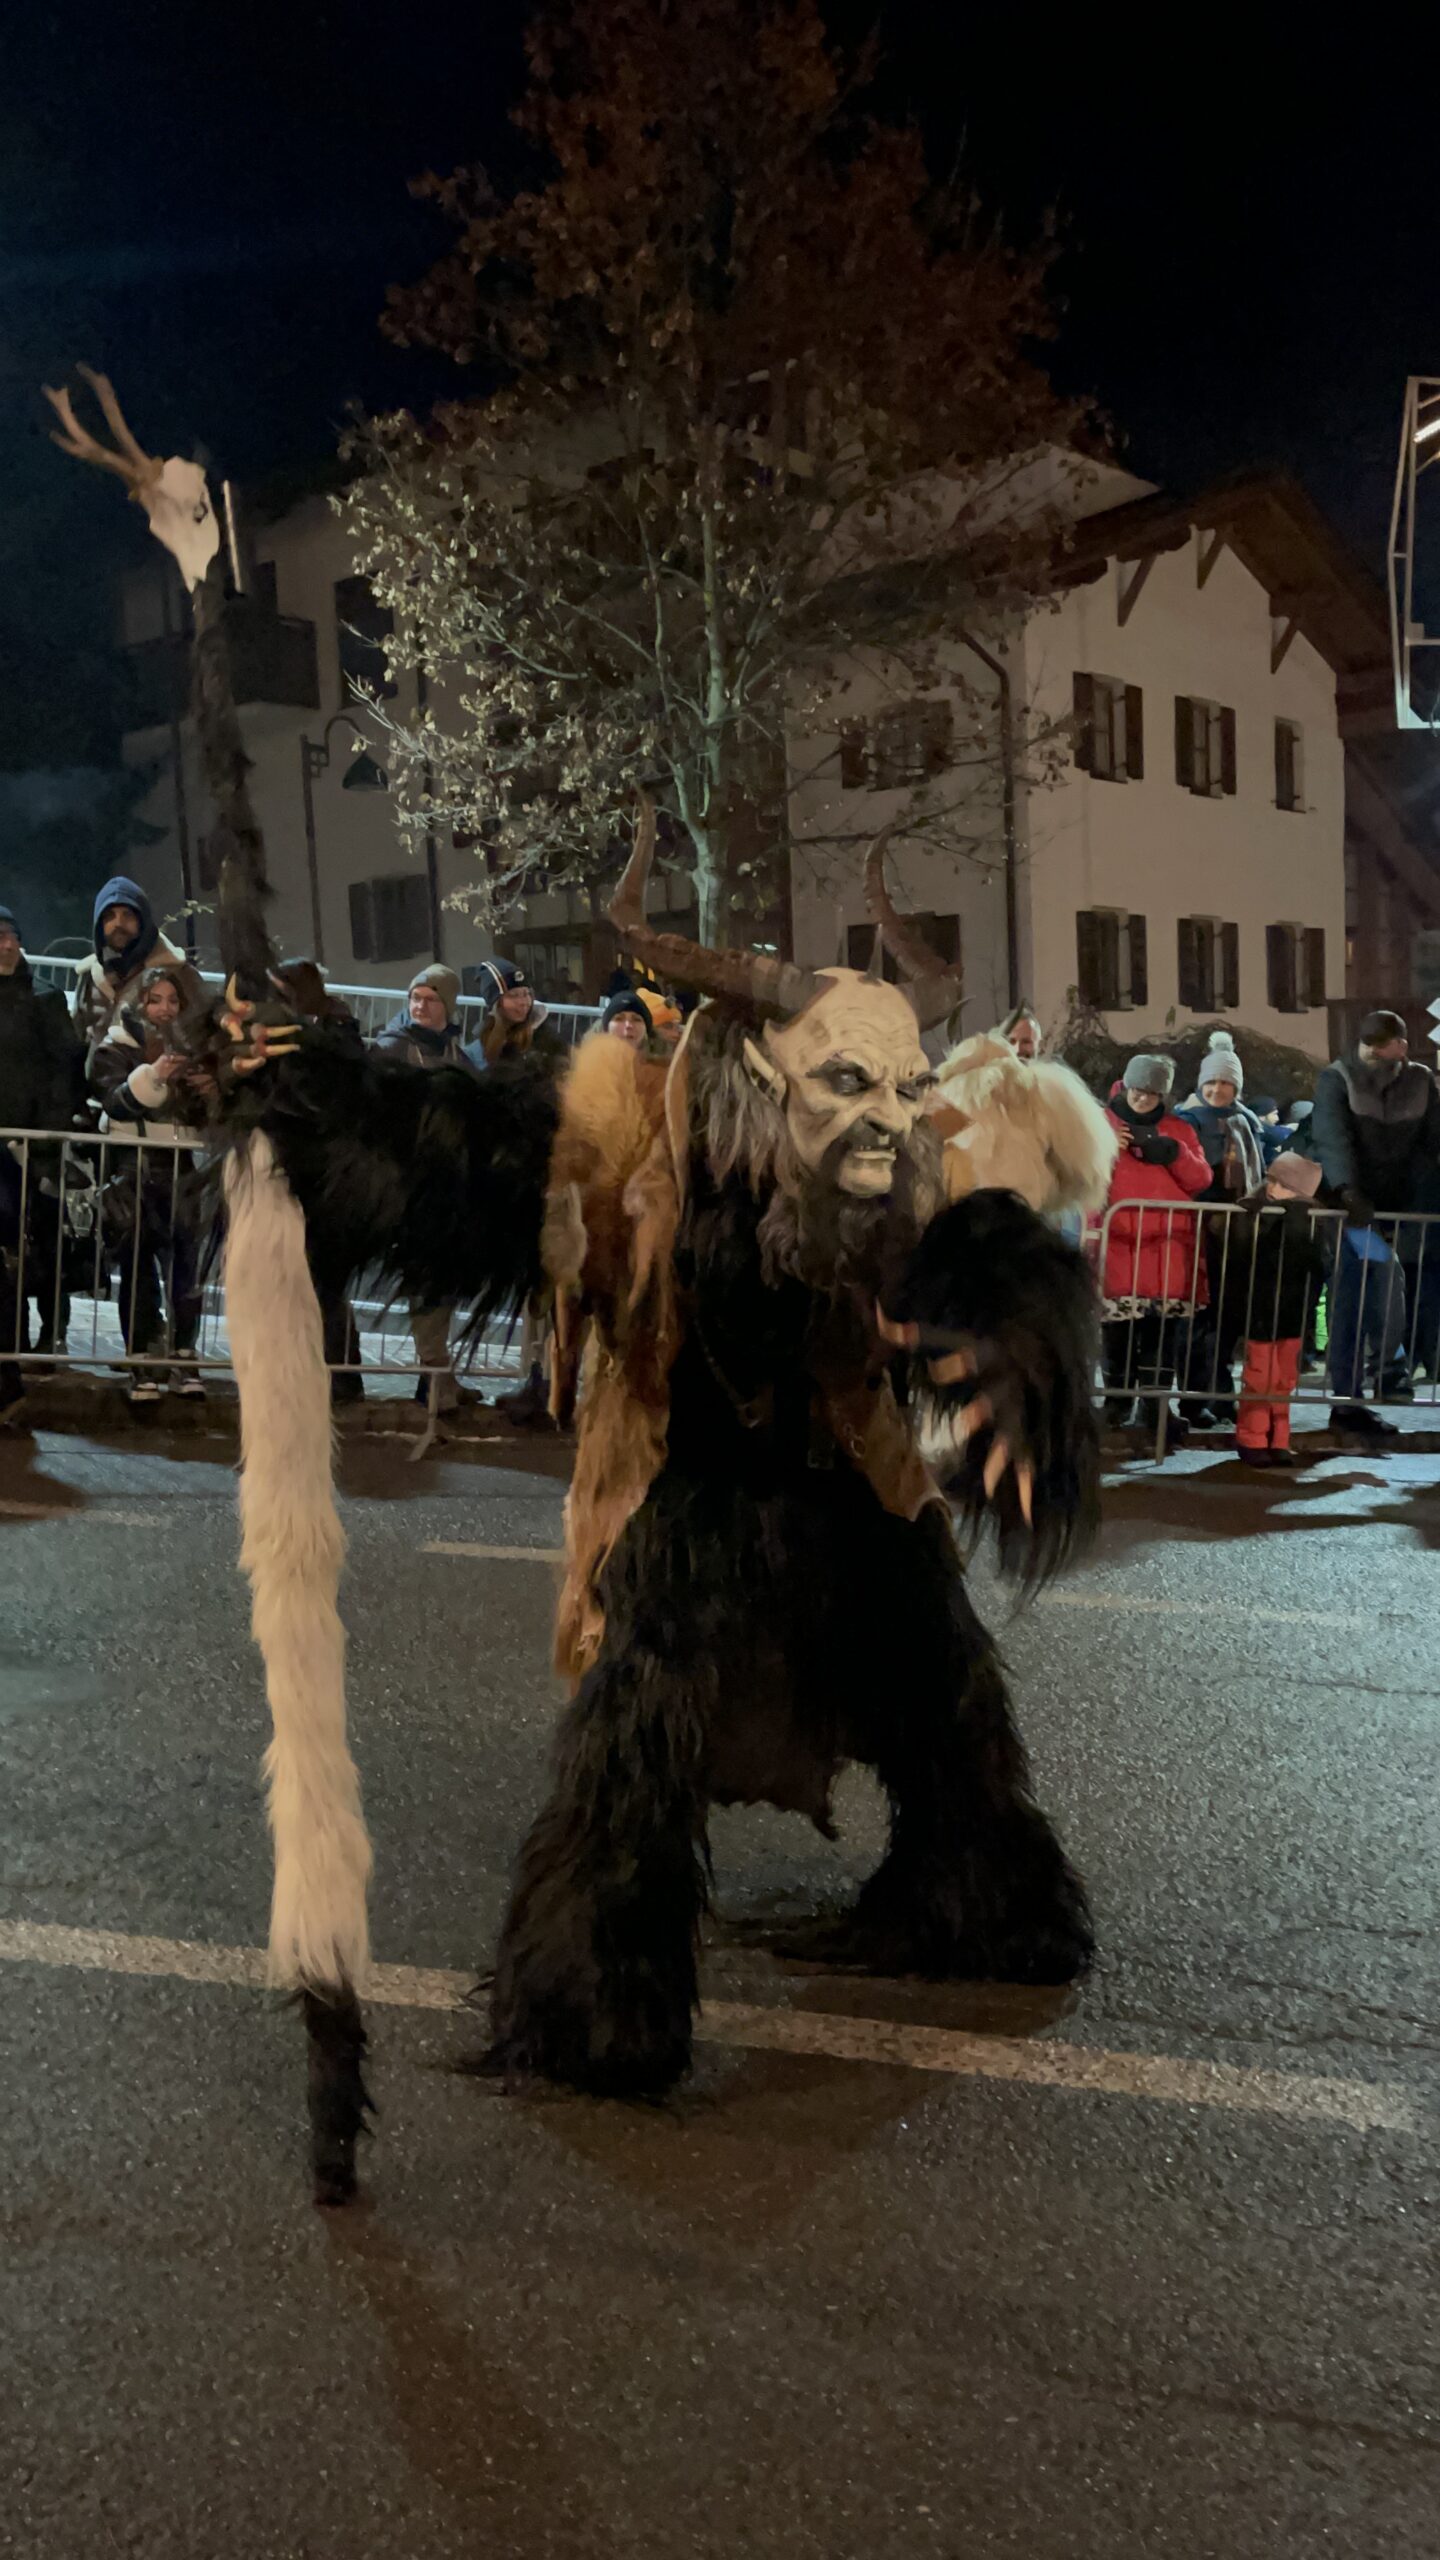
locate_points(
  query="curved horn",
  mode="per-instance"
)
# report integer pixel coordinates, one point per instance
(750, 977)
(127, 459)
(933, 990)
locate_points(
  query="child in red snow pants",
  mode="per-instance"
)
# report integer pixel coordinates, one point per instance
(1268, 1381)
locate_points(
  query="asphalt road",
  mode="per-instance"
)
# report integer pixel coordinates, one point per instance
(829, 2305)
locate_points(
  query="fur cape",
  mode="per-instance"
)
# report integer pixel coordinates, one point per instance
(1013, 1124)
(617, 1189)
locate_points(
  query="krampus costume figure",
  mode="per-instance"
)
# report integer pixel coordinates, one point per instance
(758, 1289)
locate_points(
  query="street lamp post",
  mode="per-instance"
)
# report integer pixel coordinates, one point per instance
(362, 774)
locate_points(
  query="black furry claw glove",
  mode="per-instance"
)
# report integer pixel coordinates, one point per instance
(1000, 1318)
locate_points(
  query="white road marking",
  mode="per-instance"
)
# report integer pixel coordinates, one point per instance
(1048, 1599)
(1135, 1603)
(1380, 2106)
(495, 1555)
(81, 1511)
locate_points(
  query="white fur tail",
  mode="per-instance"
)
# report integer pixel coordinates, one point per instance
(292, 1548)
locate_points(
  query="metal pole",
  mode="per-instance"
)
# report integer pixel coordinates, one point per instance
(1007, 813)
(313, 760)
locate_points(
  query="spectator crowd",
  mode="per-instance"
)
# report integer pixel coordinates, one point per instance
(1238, 1243)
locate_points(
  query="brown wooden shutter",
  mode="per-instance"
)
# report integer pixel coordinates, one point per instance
(1087, 957)
(1284, 793)
(1139, 961)
(1280, 967)
(852, 756)
(1229, 964)
(1315, 964)
(1084, 723)
(362, 920)
(1187, 939)
(1227, 752)
(1134, 733)
(1185, 741)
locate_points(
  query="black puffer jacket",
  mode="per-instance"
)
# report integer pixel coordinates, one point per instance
(1376, 1133)
(41, 1061)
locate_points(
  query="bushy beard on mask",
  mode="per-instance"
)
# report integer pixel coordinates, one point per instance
(837, 1245)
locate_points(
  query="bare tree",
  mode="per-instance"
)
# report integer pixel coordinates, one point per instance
(759, 413)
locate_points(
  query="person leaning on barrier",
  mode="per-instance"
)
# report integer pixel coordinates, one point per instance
(152, 1196)
(1274, 1272)
(1375, 1133)
(1233, 1143)
(42, 1085)
(514, 1024)
(1152, 1276)
(128, 941)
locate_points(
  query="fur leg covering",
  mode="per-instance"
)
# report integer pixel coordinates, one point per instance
(596, 1977)
(975, 1884)
(292, 1549)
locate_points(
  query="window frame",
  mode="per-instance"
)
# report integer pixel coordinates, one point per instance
(1119, 938)
(1206, 747)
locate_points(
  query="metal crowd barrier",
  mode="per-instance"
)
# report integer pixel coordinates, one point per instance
(108, 1262)
(1369, 1312)
(372, 1007)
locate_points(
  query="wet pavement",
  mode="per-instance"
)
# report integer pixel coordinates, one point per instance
(821, 2306)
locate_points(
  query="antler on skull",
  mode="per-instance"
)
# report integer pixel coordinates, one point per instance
(752, 977)
(933, 990)
(130, 462)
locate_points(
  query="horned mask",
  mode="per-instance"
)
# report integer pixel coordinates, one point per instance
(839, 1053)
(173, 494)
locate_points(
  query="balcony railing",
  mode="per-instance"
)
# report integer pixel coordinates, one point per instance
(273, 660)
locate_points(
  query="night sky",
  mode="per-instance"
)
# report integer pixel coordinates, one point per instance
(209, 204)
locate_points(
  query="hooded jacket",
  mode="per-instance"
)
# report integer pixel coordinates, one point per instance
(107, 981)
(41, 1061)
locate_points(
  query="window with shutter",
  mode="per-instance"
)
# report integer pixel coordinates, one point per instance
(910, 744)
(1185, 741)
(1229, 964)
(854, 766)
(1138, 974)
(1280, 972)
(362, 921)
(362, 628)
(1189, 938)
(1289, 783)
(1227, 753)
(1109, 728)
(1315, 965)
(1088, 958)
(1084, 722)
(940, 933)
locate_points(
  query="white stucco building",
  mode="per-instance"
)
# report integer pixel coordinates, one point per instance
(1144, 795)
(1185, 852)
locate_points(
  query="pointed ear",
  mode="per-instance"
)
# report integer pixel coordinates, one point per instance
(763, 1072)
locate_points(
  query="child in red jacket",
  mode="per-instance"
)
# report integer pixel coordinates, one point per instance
(1152, 1276)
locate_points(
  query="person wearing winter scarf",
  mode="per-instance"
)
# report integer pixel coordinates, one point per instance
(1233, 1144)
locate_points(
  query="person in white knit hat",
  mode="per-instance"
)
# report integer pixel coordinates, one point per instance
(1233, 1144)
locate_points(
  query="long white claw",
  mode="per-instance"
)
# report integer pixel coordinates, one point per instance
(1025, 1488)
(970, 1416)
(995, 1466)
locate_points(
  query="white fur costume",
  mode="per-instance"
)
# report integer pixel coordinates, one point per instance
(1013, 1124)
